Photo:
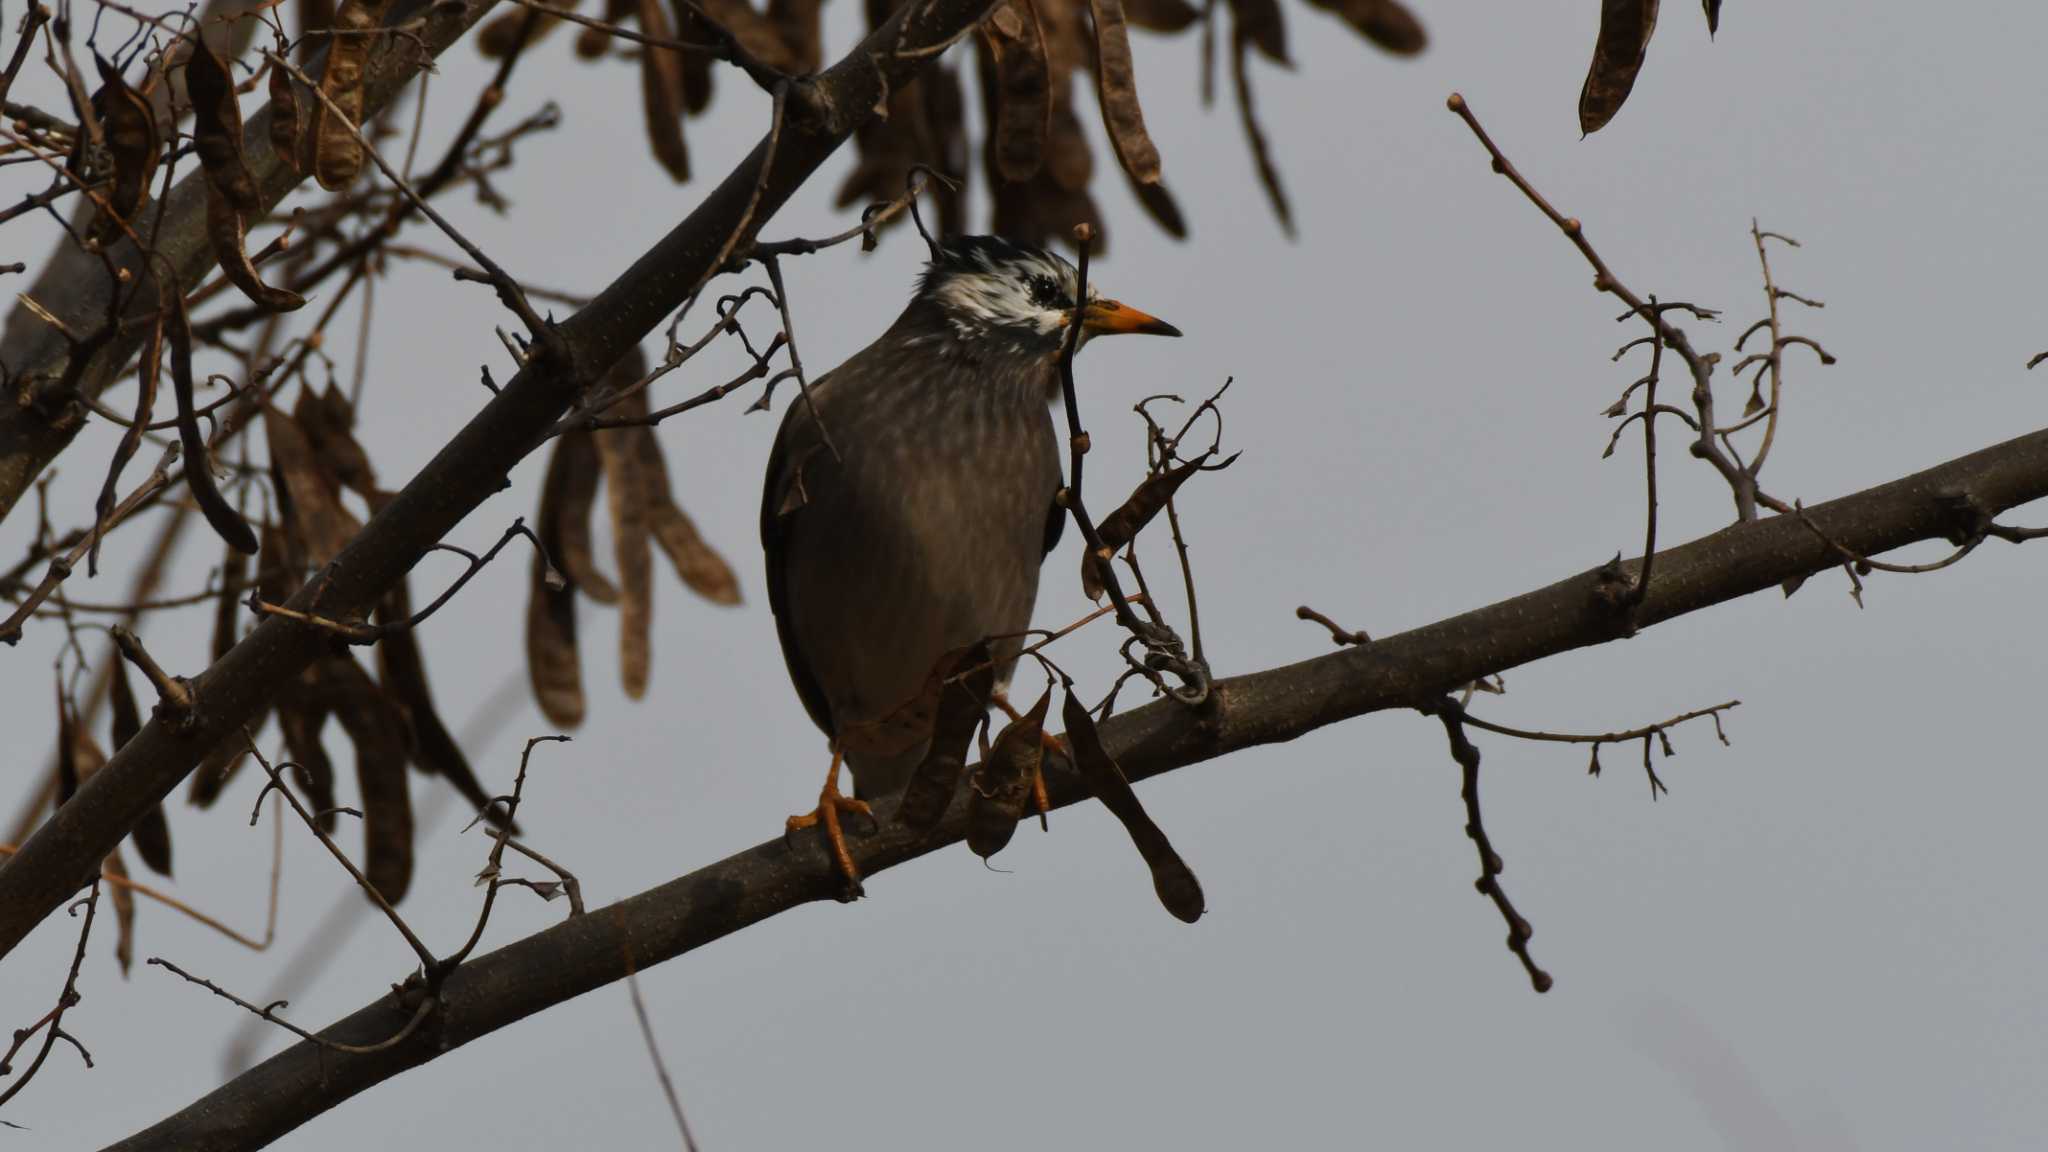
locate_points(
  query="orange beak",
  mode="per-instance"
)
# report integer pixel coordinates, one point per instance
(1109, 318)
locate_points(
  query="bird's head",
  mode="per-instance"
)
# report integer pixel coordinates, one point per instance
(988, 287)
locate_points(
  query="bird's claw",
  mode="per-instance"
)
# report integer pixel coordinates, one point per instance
(831, 802)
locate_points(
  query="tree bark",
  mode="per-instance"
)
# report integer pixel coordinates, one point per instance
(590, 951)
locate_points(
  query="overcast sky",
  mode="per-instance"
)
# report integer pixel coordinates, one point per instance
(1827, 936)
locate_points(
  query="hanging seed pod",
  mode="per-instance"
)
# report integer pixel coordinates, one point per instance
(133, 142)
(552, 662)
(1172, 879)
(661, 94)
(961, 705)
(1016, 41)
(1001, 784)
(1625, 28)
(1117, 87)
(337, 155)
(198, 462)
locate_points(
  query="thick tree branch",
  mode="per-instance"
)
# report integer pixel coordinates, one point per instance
(74, 285)
(65, 854)
(587, 952)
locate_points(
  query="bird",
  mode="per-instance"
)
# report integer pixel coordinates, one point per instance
(911, 498)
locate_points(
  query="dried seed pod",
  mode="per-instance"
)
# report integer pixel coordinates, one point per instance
(960, 707)
(402, 672)
(1146, 502)
(1625, 28)
(300, 722)
(67, 750)
(1167, 16)
(124, 910)
(1002, 782)
(552, 663)
(1116, 83)
(132, 140)
(149, 368)
(152, 834)
(217, 128)
(337, 155)
(1262, 157)
(317, 525)
(226, 229)
(198, 462)
(697, 564)
(690, 29)
(505, 32)
(1713, 16)
(1260, 22)
(661, 94)
(574, 471)
(1384, 22)
(1024, 82)
(284, 116)
(626, 491)
(377, 730)
(329, 421)
(796, 23)
(782, 39)
(227, 607)
(1172, 879)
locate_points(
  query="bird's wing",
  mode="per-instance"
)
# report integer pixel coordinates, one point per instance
(795, 468)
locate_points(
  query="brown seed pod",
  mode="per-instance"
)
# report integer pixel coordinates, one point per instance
(132, 140)
(552, 662)
(124, 910)
(1024, 85)
(802, 34)
(1172, 879)
(626, 484)
(217, 127)
(1001, 784)
(661, 93)
(285, 139)
(300, 721)
(960, 706)
(377, 730)
(198, 463)
(1262, 157)
(227, 606)
(1146, 501)
(151, 834)
(502, 33)
(1116, 84)
(1167, 16)
(697, 564)
(402, 673)
(317, 525)
(1260, 22)
(782, 38)
(1625, 28)
(575, 470)
(226, 230)
(337, 155)
(1386, 23)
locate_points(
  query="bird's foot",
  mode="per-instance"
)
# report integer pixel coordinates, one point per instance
(831, 802)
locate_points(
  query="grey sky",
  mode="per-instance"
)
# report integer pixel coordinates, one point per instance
(1826, 936)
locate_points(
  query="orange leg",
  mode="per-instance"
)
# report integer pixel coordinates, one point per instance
(830, 804)
(1054, 746)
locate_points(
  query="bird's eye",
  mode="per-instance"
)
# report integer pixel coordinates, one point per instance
(1044, 292)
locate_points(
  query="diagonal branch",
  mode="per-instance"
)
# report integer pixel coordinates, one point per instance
(583, 953)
